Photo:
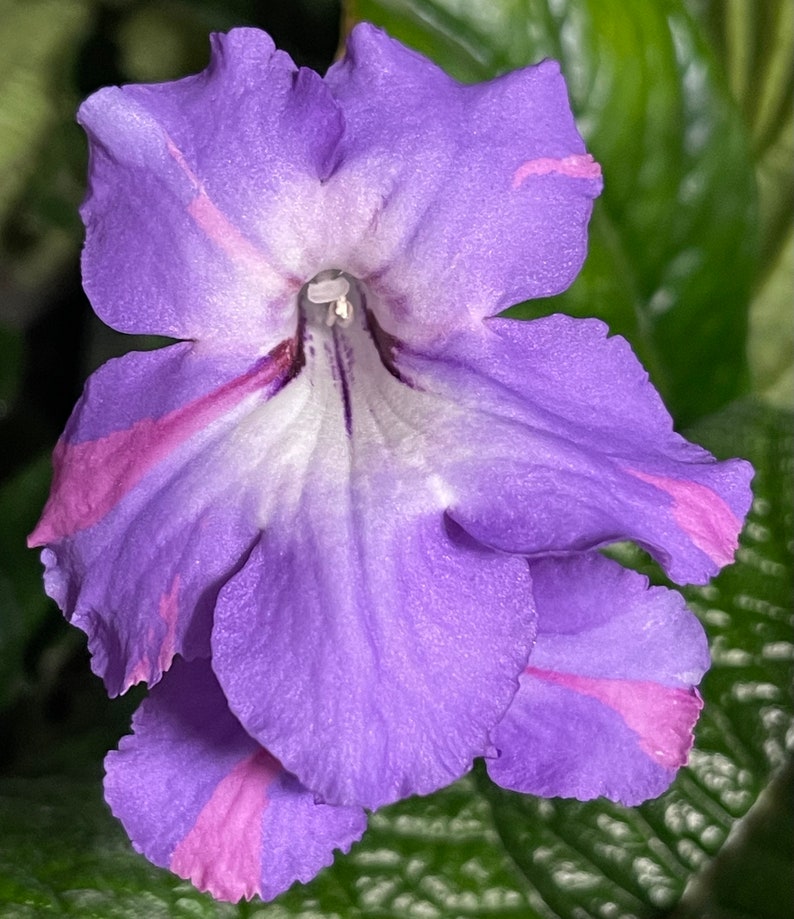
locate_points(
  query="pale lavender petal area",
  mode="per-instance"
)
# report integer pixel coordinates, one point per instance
(575, 449)
(374, 673)
(488, 188)
(364, 624)
(200, 797)
(450, 201)
(608, 702)
(182, 175)
(138, 533)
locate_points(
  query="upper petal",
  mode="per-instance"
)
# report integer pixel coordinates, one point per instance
(181, 177)
(485, 190)
(215, 197)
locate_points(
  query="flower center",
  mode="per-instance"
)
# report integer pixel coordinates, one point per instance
(330, 289)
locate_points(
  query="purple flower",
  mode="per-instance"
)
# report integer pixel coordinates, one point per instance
(349, 524)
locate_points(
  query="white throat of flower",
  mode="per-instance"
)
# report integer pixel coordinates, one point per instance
(333, 291)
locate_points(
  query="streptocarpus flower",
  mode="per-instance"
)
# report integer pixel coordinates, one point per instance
(349, 524)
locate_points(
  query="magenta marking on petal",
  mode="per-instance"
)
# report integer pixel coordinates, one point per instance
(577, 166)
(169, 613)
(92, 477)
(662, 716)
(702, 514)
(139, 673)
(142, 670)
(222, 853)
(224, 234)
(215, 224)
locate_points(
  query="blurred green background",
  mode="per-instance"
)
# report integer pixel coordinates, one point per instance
(687, 104)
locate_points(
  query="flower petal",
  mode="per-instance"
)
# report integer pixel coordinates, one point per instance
(128, 555)
(181, 174)
(198, 796)
(488, 188)
(580, 450)
(373, 666)
(357, 625)
(451, 201)
(607, 704)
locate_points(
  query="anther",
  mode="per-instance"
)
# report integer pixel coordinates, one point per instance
(332, 291)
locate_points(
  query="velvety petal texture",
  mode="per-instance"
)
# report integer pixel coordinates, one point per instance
(575, 450)
(488, 188)
(180, 177)
(139, 534)
(346, 528)
(608, 702)
(382, 660)
(360, 581)
(198, 796)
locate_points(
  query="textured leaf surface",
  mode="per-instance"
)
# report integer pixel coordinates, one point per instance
(474, 850)
(673, 240)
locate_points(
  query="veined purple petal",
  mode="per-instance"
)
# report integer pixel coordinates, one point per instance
(357, 625)
(198, 796)
(575, 449)
(608, 701)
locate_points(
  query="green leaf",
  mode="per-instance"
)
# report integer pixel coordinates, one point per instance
(61, 854)
(771, 343)
(759, 857)
(674, 235)
(755, 44)
(165, 40)
(474, 850)
(38, 37)
(39, 146)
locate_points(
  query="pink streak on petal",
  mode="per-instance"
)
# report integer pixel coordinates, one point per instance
(662, 716)
(702, 514)
(577, 166)
(92, 477)
(227, 237)
(169, 613)
(140, 672)
(218, 227)
(222, 853)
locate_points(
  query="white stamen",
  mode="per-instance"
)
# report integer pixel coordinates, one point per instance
(341, 311)
(332, 291)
